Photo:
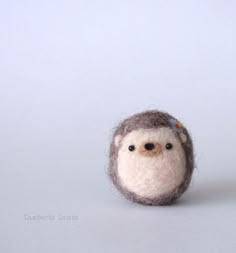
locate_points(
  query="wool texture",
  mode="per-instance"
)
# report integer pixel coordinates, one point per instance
(151, 158)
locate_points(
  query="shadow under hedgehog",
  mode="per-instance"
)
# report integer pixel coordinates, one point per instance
(151, 158)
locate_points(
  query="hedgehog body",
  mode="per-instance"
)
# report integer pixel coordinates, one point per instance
(151, 158)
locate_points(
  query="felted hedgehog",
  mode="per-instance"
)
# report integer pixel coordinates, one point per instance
(151, 158)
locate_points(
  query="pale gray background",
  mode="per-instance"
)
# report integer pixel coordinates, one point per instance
(69, 72)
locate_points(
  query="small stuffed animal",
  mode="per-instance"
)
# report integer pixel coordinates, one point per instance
(151, 158)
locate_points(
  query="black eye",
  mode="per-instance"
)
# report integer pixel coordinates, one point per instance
(131, 148)
(169, 146)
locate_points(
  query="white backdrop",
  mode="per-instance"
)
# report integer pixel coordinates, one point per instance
(69, 72)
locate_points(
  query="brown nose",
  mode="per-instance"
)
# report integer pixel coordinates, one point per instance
(150, 149)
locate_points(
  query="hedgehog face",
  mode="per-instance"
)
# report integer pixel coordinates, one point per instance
(150, 162)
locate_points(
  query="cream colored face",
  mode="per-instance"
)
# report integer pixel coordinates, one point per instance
(147, 165)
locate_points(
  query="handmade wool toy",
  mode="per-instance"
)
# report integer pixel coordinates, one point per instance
(151, 158)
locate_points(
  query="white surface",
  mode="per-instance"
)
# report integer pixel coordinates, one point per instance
(69, 71)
